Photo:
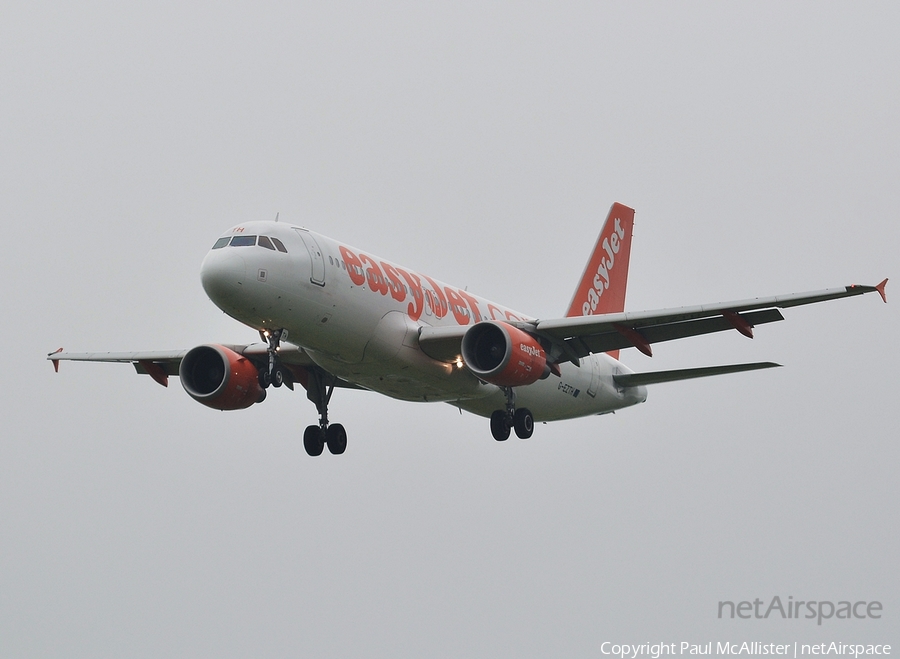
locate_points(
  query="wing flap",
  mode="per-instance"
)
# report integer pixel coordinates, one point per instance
(655, 377)
(145, 366)
(614, 339)
(442, 343)
(287, 353)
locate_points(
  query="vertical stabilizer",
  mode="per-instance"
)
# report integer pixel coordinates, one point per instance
(602, 286)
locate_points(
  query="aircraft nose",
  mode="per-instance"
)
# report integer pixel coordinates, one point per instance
(222, 275)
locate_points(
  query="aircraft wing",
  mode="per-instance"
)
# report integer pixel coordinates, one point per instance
(167, 360)
(160, 364)
(590, 334)
(579, 336)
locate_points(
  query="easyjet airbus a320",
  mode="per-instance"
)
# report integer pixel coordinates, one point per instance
(333, 316)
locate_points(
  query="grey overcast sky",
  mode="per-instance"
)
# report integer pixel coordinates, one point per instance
(481, 143)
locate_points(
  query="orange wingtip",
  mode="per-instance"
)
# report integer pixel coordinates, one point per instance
(880, 289)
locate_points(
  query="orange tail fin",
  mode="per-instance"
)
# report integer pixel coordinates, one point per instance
(602, 286)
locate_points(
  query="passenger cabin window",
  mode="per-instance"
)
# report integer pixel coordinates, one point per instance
(265, 242)
(221, 242)
(243, 241)
(279, 245)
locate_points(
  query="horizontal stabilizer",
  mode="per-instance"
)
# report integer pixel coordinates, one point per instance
(655, 377)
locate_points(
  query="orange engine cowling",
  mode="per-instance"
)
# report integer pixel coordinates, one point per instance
(220, 378)
(504, 355)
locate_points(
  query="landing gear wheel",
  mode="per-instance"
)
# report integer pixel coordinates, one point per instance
(272, 373)
(336, 438)
(523, 422)
(319, 389)
(499, 426)
(314, 440)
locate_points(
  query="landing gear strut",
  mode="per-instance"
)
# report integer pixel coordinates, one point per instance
(511, 418)
(315, 438)
(274, 374)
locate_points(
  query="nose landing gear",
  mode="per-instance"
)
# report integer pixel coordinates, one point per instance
(274, 374)
(521, 420)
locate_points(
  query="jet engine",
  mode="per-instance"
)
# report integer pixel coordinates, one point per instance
(220, 378)
(504, 355)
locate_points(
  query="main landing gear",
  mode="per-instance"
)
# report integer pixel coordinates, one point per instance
(520, 419)
(318, 390)
(315, 438)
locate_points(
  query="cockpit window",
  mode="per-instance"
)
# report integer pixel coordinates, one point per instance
(243, 241)
(221, 242)
(265, 242)
(279, 245)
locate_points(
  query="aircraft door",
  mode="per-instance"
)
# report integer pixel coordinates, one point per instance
(317, 275)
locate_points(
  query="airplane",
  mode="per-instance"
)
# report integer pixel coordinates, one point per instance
(331, 316)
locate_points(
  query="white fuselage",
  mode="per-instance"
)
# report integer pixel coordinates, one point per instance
(358, 317)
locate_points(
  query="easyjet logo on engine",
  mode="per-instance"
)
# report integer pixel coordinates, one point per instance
(531, 350)
(603, 276)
